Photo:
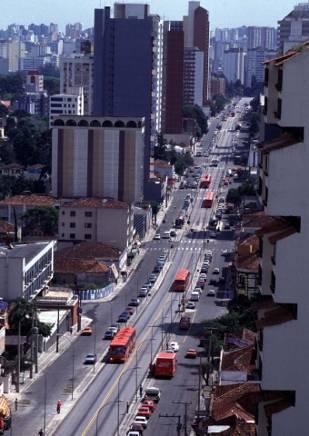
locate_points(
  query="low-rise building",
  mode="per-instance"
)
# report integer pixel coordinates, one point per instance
(142, 219)
(25, 269)
(71, 103)
(19, 204)
(246, 265)
(99, 220)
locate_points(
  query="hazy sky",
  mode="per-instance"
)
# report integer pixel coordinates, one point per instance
(223, 13)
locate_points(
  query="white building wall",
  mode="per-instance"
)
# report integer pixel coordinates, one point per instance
(54, 175)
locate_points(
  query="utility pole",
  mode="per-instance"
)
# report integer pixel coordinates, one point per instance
(185, 418)
(57, 337)
(18, 357)
(208, 357)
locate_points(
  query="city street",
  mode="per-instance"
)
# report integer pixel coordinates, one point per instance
(157, 311)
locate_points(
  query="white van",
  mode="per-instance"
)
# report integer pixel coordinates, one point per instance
(195, 296)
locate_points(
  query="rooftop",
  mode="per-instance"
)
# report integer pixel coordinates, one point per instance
(285, 140)
(106, 203)
(90, 250)
(27, 251)
(276, 229)
(238, 360)
(29, 200)
(255, 220)
(69, 265)
(277, 314)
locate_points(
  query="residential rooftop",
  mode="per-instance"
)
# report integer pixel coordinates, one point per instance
(29, 200)
(106, 203)
(26, 251)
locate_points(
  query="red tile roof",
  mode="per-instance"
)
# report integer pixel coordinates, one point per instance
(279, 314)
(106, 203)
(250, 263)
(229, 400)
(285, 140)
(69, 265)
(278, 228)
(256, 220)
(90, 250)
(238, 360)
(279, 60)
(29, 200)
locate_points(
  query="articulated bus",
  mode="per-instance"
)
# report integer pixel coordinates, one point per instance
(181, 282)
(208, 199)
(205, 182)
(122, 345)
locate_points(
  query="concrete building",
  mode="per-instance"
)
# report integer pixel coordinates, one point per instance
(98, 157)
(217, 85)
(142, 219)
(196, 28)
(19, 204)
(128, 71)
(34, 81)
(284, 274)
(293, 29)
(193, 92)
(234, 65)
(254, 65)
(97, 220)
(26, 269)
(246, 266)
(262, 37)
(77, 71)
(173, 78)
(12, 51)
(71, 103)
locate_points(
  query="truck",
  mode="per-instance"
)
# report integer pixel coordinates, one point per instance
(164, 365)
(185, 322)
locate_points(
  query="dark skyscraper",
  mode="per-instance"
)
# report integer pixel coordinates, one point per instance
(127, 67)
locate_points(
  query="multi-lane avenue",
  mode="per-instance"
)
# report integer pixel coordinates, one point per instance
(102, 407)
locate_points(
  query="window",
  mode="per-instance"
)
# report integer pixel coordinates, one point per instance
(72, 225)
(88, 225)
(63, 224)
(63, 212)
(62, 235)
(88, 214)
(72, 213)
(87, 236)
(72, 235)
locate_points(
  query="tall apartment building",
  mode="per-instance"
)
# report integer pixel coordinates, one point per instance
(196, 28)
(284, 274)
(128, 68)
(12, 51)
(262, 37)
(234, 65)
(173, 77)
(71, 103)
(293, 29)
(98, 157)
(254, 65)
(217, 85)
(77, 70)
(34, 81)
(193, 92)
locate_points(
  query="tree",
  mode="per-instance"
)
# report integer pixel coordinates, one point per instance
(12, 86)
(217, 104)
(195, 112)
(43, 219)
(23, 311)
(3, 111)
(52, 85)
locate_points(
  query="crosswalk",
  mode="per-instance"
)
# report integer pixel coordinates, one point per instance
(188, 245)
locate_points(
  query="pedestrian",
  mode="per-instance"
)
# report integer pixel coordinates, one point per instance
(16, 404)
(58, 407)
(41, 433)
(141, 391)
(128, 406)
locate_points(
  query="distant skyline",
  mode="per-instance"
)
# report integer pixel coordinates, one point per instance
(223, 13)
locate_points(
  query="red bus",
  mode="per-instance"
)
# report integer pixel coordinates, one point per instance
(181, 281)
(205, 182)
(208, 199)
(122, 345)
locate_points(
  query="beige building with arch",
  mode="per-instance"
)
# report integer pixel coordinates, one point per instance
(98, 157)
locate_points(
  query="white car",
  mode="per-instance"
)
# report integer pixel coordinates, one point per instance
(140, 420)
(174, 346)
(216, 271)
(211, 293)
(195, 296)
(157, 237)
(198, 290)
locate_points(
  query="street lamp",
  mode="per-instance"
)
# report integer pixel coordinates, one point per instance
(118, 399)
(98, 415)
(73, 362)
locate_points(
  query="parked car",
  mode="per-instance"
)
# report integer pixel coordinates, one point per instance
(157, 237)
(135, 302)
(130, 310)
(109, 335)
(149, 403)
(173, 346)
(216, 271)
(211, 293)
(90, 359)
(199, 290)
(144, 411)
(191, 353)
(123, 317)
(86, 331)
(195, 296)
(190, 305)
(140, 420)
(143, 292)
